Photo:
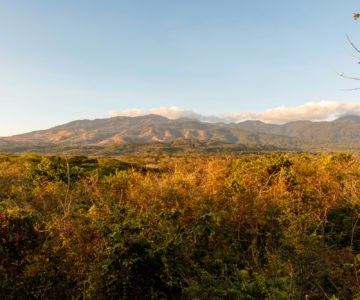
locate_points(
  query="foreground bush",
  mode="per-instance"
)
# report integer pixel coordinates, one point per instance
(219, 227)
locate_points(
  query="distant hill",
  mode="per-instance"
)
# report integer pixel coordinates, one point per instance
(341, 133)
(149, 128)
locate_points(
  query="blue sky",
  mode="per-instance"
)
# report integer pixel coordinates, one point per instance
(67, 60)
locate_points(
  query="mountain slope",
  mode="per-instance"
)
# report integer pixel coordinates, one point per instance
(343, 131)
(150, 128)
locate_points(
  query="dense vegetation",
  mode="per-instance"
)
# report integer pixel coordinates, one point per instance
(180, 227)
(177, 146)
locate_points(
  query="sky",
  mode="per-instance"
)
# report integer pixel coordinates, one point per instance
(213, 60)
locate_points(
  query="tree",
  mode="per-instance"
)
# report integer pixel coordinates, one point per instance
(356, 16)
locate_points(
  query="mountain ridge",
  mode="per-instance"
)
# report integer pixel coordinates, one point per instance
(154, 128)
(149, 128)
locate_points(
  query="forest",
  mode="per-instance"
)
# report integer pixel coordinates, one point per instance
(168, 226)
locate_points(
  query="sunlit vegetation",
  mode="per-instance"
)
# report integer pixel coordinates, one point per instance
(180, 227)
(177, 146)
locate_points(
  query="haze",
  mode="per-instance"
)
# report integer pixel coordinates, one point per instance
(69, 60)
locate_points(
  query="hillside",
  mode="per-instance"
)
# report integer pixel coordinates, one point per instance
(150, 128)
(343, 133)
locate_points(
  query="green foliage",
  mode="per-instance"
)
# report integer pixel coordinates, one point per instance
(180, 227)
(20, 240)
(177, 146)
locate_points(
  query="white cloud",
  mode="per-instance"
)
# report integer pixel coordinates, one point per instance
(134, 112)
(170, 113)
(313, 111)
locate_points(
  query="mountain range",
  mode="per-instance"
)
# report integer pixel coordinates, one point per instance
(343, 132)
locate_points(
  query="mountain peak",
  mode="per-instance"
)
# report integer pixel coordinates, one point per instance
(153, 117)
(354, 118)
(152, 127)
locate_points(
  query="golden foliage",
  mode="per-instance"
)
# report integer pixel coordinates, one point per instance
(204, 227)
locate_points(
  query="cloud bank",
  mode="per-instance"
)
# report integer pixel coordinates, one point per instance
(313, 111)
(170, 113)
